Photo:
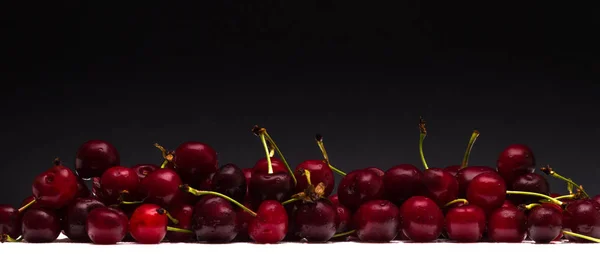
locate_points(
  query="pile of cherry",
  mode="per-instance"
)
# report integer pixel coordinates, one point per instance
(191, 198)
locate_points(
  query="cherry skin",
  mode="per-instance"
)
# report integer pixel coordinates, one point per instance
(10, 221)
(487, 190)
(118, 180)
(315, 221)
(148, 224)
(320, 172)
(508, 203)
(55, 188)
(402, 182)
(265, 186)
(262, 165)
(375, 170)
(344, 218)
(193, 160)
(77, 214)
(453, 169)
(515, 160)
(94, 157)
(334, 199)
(144, 169)
(440, 186)
(358, 187)
(507, 225)
(544, 224)
(247, 175)
(205, 183)
(106, 225)
(230, 181)
(530, 182)
(582, 217)
(214, 220)
(465, 223)
(243, 218)
(161, 186)
(422, 219)
(466, 175)
(270, 224)
(377, 221)
(40, 225)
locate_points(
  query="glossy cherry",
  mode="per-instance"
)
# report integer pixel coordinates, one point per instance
(465, 175)
(161, 186)
(205, 183)
(440, 186)
(106, 225)
(193, 160)
(358, 187)
(231, 181)
(582, 217)
(243, 219)
(334, 199)
(94, 157)
(320, 172)
(421, 219)
(402, 182)
(453, 169)
(465, 223)
(76, 218)
(56, 187)
(377, 221)
(530, 182)
(120, 182)
(148, 224)
(344, 218)
(544, 223)
(40, 225)
(507, 224)
(375, 170)
(315, 221)
(515, 160)
(10, 221)
(262, 165)
(487, 190)
(214, 220)
(144, 169)
(270, 224)
(264, 186)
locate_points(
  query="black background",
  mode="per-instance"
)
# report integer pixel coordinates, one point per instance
(360, 73)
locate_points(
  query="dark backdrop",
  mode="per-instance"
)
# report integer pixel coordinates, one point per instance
(360, 73)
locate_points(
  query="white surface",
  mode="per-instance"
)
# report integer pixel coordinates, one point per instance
(62, 246)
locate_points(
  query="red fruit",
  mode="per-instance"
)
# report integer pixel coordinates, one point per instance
(10, 221)
(106, 225)
(465, 223)
(270, 224)
(582, 217)
(320, 172)
(82, 190)
(507, 224)
(76, 217)
(193, 160)
(453, 170)
(55, 188)
(344, 217)
(148, 224)
(487, 190)
(117, 181)
(402, 182)
(377, 221)
(515, 160)
(544, 223)
(265, 186)
(214, 220)
(334, 199)
(230, 181)
(466, 175)
(375, 170)
(161, 186)
(422, 220)
(358, 187)
(143, 169)
(243, 219)
(262, 165)
(183, 213)
(94, 157)
(440, 186)
(315, 221)
(530, 182)
(40, 225)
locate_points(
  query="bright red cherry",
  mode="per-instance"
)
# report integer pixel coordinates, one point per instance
(270, 224)
(119, 181)
(465, 175)
(262, 165)
(358, 187)
(440, 186)
(161, 186)
(94, 157)
(320, 172)
(77, 214)
(377, 221)
(507, 224)
(422, 219)
(515, 160)
(402, 182)
(193, 160)
(487, 190)
(148, 224)
(183, 213)
(56, 187)
(582, 217)
(106, 225)
(453, 169)
(465, 223)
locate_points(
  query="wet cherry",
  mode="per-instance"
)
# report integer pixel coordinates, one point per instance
(440, 186)
(377, 221)
(515, 160)
(358, 187)
(214, 220)
(56, 187)
(320, 172)
(315, 221)
(262, 165)
(264, 186)
(231, 181)
(183, 213)
(106, 225)
(94, 157)
(117, 182)
(465, 175)
(270, 224)
(193, 160)
(544, 223)
(453, 169)
(422, 220)
(76, 218)
(465, 223)
(487, 190)
(402, 182)
(507, 224)
(40, 225)
(161, 186)
(344, 218)
(582, 217)
(148, 224)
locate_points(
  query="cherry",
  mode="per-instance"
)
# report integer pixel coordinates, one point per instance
(334, 199)
(77, 214)
(377, 221)
(243, 218)
(97, 188)
(375, 170)
(148, 224)
(248, 176)
(465, 223)
(530, 182)
(106, 225)
(161, 186)
(515, 160)
(320, 172)
(358, 187)
(402, 182)
(10, 222)
(582, 217)
(315, 221)
(56, 187)
(82, 190)
(507, 224)
(544, 223)
(344, 218)
(193, 160)
(231, 181)
(206, 182)
(440, 186)
(466, 175)
(117, 181)
(452, 169)
(507, 203)
(94, 157)
(487, 190)
(422, 220)
(214, 220)
(40, 225)
(143, 169)
(264, 186)
(262, 165)
(270, 225)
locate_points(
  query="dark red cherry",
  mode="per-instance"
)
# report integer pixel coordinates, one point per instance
(262, 165)
(214, 220)
(320, 172)
(530, 182)
(205, 183)
(193, 160)
(148, 224)
(56, 187)
(440, 186)
(334, 199)
(402, 182)
(40, 225)
(377, 221)
(10, 221)
(230, 180)
(117, 181)
(375, 170)
(582, 217)
(161, 186)
(487, 190)
(465, 223)
(515, 160)
(106, 225)
(453, 169)
(265, 186)
(544, 224)
(315, 221)
(143, 169)
(243, 219)
(94, 157)
(344, 218)
(183, 213)
(358, 187)
(465, 175)
(76, 218)
(270, 224)
(422, 219)
(507, 224)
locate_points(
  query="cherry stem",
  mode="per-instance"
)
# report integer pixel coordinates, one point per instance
(307, 174)
(549, 171)
(287, 165)
(569, 196)
(531, 206)
(180, 230)
(163, 211)
(421, 140)
(465, 160)
(131, 202)
(7, 238)
(459, 200)
(57, 161)
(292, 200)
(344, 233)
(27, 205)
(589, 238)
(264, 142)
(553, 200)
(195, 192)
(321, 145)
(168, 157)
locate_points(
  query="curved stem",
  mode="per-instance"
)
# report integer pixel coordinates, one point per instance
(292, 200)
(569, 196)
(264, 142)
(307, 175)
(589, 238)
(321, 145)
(195, 192)
(553, 200)
(549, 171)
(338, 171)
(131, 202)
(7, 238)
(180, 230)
(344, 233)
(168, 157)
(465, 160)
(164, 164)
(459, 200)
(531, 206)
(27, 205)
(171, 218)
(421, 140)
(281, 155)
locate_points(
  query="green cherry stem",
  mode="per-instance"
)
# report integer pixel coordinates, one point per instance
(319, 139)
(23, 208)
(291, 200)
(553, 200)
(344, 233)
(180, 230)
(171, 218)
(531, 206)
(7, 238)
(168, 157)
(549, 171)
(459, 200)
(465, 160)
(569, 196)
(422, 136)
(187, 188)
(589, 238)
(287, 165)
(264, 142)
